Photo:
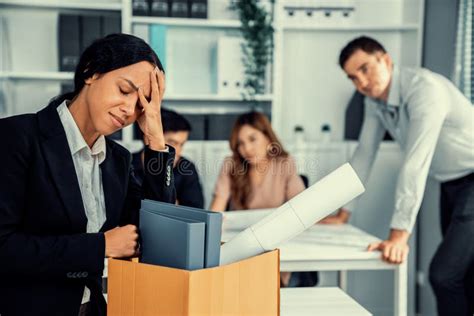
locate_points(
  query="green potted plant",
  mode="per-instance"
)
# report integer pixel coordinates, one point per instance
(256, 17)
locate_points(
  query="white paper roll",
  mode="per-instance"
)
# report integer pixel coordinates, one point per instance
(304, 210)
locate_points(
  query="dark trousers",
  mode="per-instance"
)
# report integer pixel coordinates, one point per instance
(85, 309)
(452, 267)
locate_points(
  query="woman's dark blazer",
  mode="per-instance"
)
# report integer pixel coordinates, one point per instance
(46, 256)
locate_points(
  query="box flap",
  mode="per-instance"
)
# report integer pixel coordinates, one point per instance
(140, 289)
(247, 287)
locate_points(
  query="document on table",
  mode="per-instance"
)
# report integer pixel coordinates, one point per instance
(296, 215)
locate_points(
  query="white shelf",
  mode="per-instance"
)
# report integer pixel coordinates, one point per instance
(214, 97)
(56, 4)
(58, 76)
(187, 22)
(355, 28)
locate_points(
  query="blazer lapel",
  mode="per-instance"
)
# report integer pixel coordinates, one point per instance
(59, 160)
(114, 178)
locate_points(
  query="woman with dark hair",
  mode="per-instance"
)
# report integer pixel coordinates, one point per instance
(68, 197)
(259, 174)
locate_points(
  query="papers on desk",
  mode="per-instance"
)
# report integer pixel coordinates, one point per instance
(320, 235)
(323, 234)
(240, 220)
(337, 235)
(295, 216)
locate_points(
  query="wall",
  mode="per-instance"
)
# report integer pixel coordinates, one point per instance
(440, 35)
(438, 56)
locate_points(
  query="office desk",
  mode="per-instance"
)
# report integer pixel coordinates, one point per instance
(318, 301)
(327, 248)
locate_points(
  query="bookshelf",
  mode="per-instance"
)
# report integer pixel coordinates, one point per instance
(39, 75)
(215, 97)
(345, 28)
(306, 49)
(308, 88)
(51, 4)
(307, 46)
(180, 22)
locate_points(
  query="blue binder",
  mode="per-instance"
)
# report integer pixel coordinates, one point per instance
(213, 220)
(171, 241)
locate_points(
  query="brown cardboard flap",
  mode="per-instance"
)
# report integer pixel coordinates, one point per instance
(143, 289)
(247, 287)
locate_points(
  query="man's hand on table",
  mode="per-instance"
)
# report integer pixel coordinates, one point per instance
(340, 218)
(395, 249)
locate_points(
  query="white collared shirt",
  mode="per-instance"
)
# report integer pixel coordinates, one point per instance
(434, 124)
(87, 164)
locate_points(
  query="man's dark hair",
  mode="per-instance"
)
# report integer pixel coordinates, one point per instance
(364, 43)
(174, 122)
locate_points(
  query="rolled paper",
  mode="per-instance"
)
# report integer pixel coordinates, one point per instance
(296, 215)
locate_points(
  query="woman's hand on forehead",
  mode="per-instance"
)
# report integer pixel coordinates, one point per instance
(150, 119)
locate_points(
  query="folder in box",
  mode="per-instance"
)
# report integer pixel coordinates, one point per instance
(171, 241)
(213, 220)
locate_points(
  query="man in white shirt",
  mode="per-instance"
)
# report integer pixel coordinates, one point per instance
(434, 124)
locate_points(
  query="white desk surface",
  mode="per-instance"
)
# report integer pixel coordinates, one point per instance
(336, 245)
(320, 242)
(331, 301)
(327, 248)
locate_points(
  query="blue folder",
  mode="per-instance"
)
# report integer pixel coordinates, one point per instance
(213, 222)
(171, 241)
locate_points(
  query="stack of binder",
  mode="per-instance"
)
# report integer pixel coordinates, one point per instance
(178, 236)
(77, 31)
(171, 8)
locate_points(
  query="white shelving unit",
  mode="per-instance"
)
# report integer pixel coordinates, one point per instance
(180, 22)
(191, 52)
(357, 28)
(307, 50)
(50, 78)
(51, 4)
(214, 97)
(181, 99)
(53, 76)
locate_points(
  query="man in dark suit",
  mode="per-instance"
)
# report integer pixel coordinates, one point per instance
(176, 129)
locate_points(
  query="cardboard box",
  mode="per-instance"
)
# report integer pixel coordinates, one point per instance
(247, 287)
